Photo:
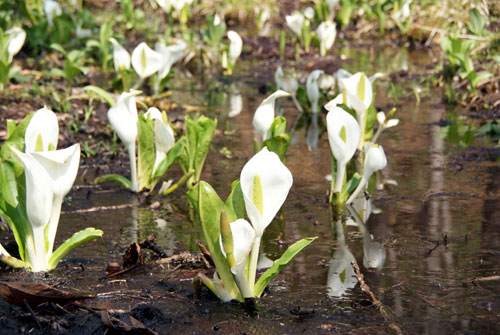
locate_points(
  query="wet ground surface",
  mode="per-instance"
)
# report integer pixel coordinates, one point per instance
(435, 239)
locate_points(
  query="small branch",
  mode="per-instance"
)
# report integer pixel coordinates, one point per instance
(377, 303)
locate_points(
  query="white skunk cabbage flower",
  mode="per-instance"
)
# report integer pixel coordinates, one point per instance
(166, 5)
(235, 103)
(235, 46)
(295, 23)
(42, 131)
(171, 54)
(359, 93)
(264, 115)
(386, 123)
(164, 135)
(374, 160)
(16, 37)
(146, 61)
(326, 33)
(309, 13)
(265, 183)
(243, 237)
(123, 118)
(121, 57)
(286, 82)
(52, 9)
(326, 82)
(312, 89)
(344, 135)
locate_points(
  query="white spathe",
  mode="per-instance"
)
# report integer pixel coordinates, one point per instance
(164, 135)
(16, 36)
(51, 9)
(326, 33)
(42, 125)
(359, 93)
(171, 54)
(38, 190)
(344, 135)
(61, 166)
(123, 118)
(235, 46)
(312, 89)
(146, 61)
(326, 82)
(309, 13)
(386, 123)
(286, 82)
(165, 5)
(264, 115)
(243, 238)
(374, 160)
(235, 103)
(295, 23)
(275, 180)
(121, 57)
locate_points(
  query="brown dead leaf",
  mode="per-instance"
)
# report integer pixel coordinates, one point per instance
(133, 326)
(131, 258)
(206, 254)
(16, 293)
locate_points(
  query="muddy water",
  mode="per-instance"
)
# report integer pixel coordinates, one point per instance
(426, 250)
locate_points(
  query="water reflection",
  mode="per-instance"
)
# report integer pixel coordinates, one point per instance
(341, 276)
(235, 102)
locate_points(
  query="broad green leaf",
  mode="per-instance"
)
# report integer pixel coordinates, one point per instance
(115, 178)
(74, 241)
(280, 264)
(208, 206)
(145, 151)
(172, 155)
(278, 145)
(101, 93)
(278, 126)
(352, 183)
(236, 202)
(58, 47)
(199, 134)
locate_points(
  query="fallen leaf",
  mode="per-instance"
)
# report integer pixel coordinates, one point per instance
(133, 326)
(131, 258)
(16, 293)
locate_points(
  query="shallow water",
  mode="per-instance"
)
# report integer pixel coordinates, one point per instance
(434, 241)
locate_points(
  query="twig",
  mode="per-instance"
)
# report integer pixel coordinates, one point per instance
(377, 303)
(100, 208)
(28, 307)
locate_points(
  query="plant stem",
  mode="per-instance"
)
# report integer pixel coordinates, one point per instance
(40, 261)
(358, 189)
(133, 166)
(53, 222)
(254, 258)
(181, 181)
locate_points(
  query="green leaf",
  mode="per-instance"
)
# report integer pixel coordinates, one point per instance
(278, 145)
(280, 264)
(101, 93)
(115, 178)
(199, 134)
(58, 47)
(278, 127)
(74, 241)
(172, 155)
(236, 202)
(352, 183)
(208, 206)
(145, 152)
